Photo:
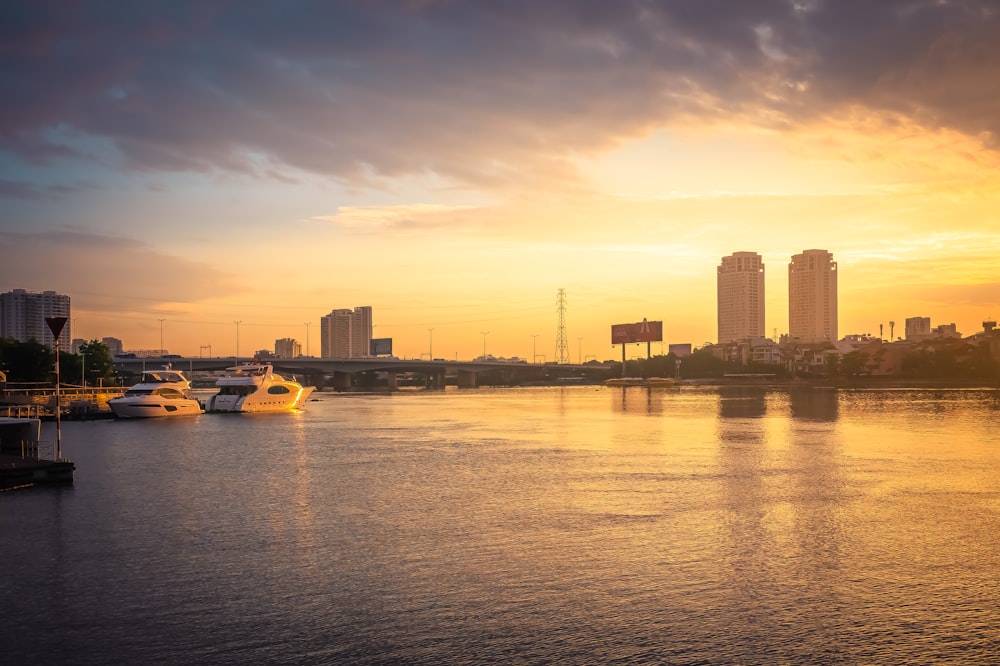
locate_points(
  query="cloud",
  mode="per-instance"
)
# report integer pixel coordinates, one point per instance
(107, 274)
(489, 95)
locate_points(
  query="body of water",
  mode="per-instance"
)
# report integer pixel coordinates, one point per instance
(573, 525)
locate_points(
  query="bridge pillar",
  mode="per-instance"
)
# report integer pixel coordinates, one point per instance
(435, 379)
(341, 380)
(467, 379)
(392, 379)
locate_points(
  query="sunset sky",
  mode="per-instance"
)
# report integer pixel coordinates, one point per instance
(454, 163)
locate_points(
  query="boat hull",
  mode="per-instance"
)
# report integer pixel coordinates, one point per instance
(259, 402)
(131, 408)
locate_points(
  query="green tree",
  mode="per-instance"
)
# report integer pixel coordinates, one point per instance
(702, 363)
(26, 361)
(852, 363)
(94, 360)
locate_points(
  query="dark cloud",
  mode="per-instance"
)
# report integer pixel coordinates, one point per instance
(483, 92)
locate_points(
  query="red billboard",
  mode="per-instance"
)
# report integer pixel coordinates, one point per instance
(643, 331)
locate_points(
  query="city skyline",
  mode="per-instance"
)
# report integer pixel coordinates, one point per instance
(453, 165)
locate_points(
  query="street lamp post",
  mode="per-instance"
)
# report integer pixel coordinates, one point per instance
(161, 337)
(238, 341)
(484, 334)
(307, 337)
(83, 366)
(430, 345)
(579, 350)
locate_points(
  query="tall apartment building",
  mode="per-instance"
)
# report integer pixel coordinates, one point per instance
(812, 297)
(740, 284)
(346, 333)
(23, 313)
(918, 327)
(287, 348)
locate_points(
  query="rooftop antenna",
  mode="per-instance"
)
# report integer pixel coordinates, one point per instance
(562, 346)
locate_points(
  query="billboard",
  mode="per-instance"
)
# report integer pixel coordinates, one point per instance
(680, 350)
(643, 331)
(381, 347)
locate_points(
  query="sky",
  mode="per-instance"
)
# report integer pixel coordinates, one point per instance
(176, 167)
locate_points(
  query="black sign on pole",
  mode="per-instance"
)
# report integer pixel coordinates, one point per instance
(55, 325)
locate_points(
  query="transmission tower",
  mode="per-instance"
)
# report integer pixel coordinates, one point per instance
(562, 346)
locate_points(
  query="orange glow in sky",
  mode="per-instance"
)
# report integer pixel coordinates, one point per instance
(618, 157)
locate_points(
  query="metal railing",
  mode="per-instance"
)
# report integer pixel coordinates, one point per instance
(22, 411)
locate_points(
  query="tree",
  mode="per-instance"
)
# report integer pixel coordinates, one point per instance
(26, 361)
(702, 363)
(95, 360)
(852, 363)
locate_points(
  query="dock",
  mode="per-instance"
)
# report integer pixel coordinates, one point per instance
(27, 461)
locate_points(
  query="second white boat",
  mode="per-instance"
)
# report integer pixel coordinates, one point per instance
(255, 387)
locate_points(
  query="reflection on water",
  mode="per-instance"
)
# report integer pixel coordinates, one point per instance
(566, 525)
(813, 404)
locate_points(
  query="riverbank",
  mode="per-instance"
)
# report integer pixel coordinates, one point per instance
(886, 382)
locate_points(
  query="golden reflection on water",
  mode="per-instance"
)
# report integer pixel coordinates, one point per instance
(550, 525)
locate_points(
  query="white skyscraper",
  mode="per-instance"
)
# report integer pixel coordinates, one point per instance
(23, 313)
(346, 334)
(740, 284)
(812, 297)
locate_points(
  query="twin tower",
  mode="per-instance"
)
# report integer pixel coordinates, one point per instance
(812, 297)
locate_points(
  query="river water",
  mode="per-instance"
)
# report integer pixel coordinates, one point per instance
(573, 525)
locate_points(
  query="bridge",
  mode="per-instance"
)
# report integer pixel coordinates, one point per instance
(342, 372)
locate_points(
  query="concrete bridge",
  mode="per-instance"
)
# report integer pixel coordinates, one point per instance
(467, 374)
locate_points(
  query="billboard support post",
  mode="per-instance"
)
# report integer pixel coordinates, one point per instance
(643, 331)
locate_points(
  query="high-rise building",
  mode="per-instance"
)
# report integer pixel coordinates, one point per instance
(918, 327)
(812, 297)
(23, 313)
(114, 345)
(287, 348)
(740, 303)
(346, 333)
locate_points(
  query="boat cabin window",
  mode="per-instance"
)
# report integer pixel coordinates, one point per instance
(169, 393)
(278, 390)
(241, 389)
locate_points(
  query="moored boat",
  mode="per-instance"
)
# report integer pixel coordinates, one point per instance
(255, 387)
(159, 393)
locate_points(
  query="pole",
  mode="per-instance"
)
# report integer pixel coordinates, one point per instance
(430, 345)
(623, 360)
(83, 374)
(58, 408)
(534, 347)
(485, 333)
(161, 337)
(55, 325)
(237, 342)
(307, 337)
(579, 351)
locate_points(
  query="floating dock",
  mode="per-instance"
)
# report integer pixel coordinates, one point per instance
(25, 460)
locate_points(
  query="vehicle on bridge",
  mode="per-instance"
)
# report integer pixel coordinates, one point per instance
(254, 387)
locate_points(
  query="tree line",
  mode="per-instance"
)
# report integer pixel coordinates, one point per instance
(33, 362)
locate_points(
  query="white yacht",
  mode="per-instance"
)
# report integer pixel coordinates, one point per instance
(163, 392)
(254, 387)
